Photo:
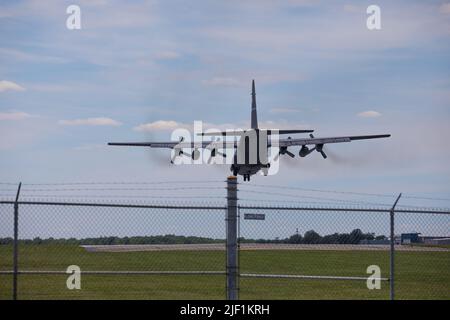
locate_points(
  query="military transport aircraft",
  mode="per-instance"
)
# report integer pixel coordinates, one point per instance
(250, 152)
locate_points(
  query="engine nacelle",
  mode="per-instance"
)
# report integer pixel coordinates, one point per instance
(304, 151)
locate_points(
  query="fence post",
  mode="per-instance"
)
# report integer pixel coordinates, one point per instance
(392, 250)
(15, 243)
(232, 241)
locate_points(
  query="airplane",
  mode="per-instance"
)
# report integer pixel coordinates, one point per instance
(247, 158)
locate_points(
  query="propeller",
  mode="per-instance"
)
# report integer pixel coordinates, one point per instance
(179, 152)
(284, 150)
(319, 148)
(214, 153)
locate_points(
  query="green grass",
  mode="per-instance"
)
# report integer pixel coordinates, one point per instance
(419, 275)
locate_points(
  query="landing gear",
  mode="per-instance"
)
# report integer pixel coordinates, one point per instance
(246, 177)
(234, 169)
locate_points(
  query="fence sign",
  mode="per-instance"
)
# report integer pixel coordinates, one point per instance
(254, 216)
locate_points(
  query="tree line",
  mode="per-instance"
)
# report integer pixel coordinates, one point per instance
(310, 237)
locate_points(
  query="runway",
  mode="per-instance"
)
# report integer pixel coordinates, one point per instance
(254, 246)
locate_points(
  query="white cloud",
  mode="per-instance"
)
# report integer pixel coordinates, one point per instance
(415, 27)
(167, 125)
(160, 125)
(9, 85)
(14, 116)
(369, 114)
(101, 121)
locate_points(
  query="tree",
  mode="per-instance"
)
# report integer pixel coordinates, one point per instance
(356, 236)
(311, 237)
(296, 238)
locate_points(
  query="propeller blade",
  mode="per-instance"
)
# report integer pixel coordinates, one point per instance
(319, 148)
(290, 154)
(215, 153)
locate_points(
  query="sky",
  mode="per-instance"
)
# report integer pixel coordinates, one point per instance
(138, 69)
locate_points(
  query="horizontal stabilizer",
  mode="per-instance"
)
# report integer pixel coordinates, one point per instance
(294, 131)
(241, 132)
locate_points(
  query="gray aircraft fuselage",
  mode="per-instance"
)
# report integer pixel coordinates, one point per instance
(251, 154)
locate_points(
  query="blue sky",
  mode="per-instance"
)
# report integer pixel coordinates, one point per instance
(65, 93)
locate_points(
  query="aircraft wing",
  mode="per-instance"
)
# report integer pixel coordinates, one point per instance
(233, 144)
(322, 141)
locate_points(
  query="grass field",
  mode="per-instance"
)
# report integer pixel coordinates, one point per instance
(419, 275)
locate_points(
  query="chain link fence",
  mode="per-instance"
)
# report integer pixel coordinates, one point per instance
(136, 250)
(124, 251)
(327, 253)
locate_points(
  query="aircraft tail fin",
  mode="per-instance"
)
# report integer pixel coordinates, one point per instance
(254, 123)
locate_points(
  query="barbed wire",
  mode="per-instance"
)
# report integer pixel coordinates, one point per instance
(333, 205)
(404, 196)
(188, 185)
(355, 202)
(271, 204)
(119, 196)
(122, 189)
(122, 183)
(299, 202)
(425, 198)
(313, 197)
(317, 190)
(160, 201)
